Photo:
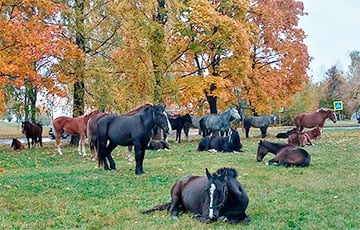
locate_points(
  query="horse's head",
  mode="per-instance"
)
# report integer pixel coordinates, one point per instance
(331, 115)
(262, 151)
(161, 118)
(234, 139)
(24, 126)
(235, 113)
(217, 193)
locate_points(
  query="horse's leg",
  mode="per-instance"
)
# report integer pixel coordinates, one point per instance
(82, 145)
(108, 150)
(58, 143)
(128, 154)
(247, 129)
(263, 131)
(175, 200)
(139, 156)
(178, 135)
(40, 140)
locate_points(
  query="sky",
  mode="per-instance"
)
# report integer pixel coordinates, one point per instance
(333, 31)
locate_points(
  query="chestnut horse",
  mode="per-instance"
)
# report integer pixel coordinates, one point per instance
(316, 119)
(16, 144)
(285, 154)
(304, 138)
(72, 126)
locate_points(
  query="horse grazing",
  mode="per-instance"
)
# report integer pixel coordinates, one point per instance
(72, 126)
(223, 144)
(304, 138)
(16, 144)
(316, 119)
(285, 154)
(213, 123)
(219, 196)
(286, 134)
(178, 123)
(33, 131)
(133, 130)
(157, 145)
(262, 122)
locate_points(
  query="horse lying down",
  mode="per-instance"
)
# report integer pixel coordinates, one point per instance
(216, 197)
(286, 134)
(16, 144)
(286, 155)
(223, 144)
(158, 145)
(304, 138)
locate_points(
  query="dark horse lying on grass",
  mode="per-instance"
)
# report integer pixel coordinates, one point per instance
(262, 122)
(33, 131)
(285, 154)
(286, 134)
(219, 196)
(157, 145)
(223, 144)
(136, 130)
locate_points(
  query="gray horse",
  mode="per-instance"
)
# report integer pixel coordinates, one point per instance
(261, 122)
(213, 123)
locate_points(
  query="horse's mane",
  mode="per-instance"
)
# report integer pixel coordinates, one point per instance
(138, 109)
(230, 172)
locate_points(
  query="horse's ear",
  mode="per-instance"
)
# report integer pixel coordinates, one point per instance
(208, 173)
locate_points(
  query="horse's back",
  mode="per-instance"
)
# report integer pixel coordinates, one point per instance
(193, 189)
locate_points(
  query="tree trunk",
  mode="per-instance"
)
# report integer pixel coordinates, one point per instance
(211, 99)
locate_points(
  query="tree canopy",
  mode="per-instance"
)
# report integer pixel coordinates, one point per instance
(175, 52)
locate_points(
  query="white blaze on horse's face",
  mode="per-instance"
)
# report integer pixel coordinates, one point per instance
(211, 209)
(235, 113)
(167, 119)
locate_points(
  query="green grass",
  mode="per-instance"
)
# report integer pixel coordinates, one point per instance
(43, 190)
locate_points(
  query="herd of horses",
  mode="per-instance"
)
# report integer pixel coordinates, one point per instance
(213, 197)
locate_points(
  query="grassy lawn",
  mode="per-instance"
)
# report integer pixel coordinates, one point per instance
(40, 189)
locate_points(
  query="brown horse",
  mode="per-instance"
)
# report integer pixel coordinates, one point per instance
(16, 144)
(316, 119)
(33, 131)
(304, 138)
(285, 154)
(72, 126)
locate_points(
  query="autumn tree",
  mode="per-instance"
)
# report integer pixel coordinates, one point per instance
(31, 45)
(279, 58)
(353, 83)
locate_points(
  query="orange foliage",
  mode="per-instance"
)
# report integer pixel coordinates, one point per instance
(29, 35)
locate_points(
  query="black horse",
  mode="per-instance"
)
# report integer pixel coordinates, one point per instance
(223, 144)
(179, 123)
(285, 154)
(262, 122)
(157, 145)
(33, 131)
(133, 130)
(286, 134)
(219, 196)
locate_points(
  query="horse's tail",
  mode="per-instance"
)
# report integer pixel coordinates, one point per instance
(159, 207)
(101, 136)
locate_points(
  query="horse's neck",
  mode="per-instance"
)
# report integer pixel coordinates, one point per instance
(276, 147)
(225, 117)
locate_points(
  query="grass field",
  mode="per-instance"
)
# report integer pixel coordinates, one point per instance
(42, 190)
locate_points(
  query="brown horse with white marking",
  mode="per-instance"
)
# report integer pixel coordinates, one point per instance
(72, 126)
(316, 119)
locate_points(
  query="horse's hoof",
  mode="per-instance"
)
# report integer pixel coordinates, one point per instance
(139, 172)
(174, 218)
